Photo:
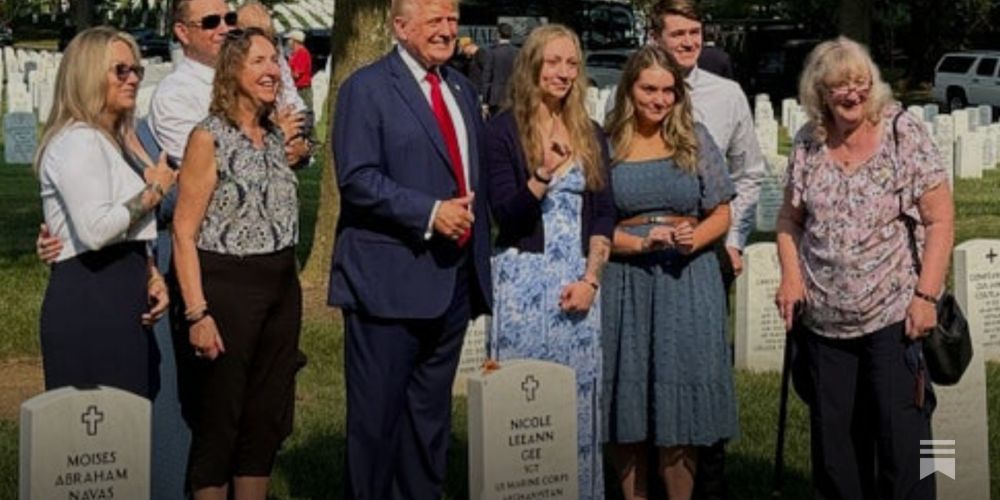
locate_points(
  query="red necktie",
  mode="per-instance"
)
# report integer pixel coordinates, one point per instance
(450, 139)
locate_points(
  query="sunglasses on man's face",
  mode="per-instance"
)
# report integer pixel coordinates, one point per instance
(122, 71)
(212, 21)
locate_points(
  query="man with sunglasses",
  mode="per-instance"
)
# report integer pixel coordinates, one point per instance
(182, 99)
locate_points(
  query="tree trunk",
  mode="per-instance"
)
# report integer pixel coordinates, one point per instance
(361, 34)
(855, 20)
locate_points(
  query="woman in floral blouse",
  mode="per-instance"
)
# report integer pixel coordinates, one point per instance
(849, 278)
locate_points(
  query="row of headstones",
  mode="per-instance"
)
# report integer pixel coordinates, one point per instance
(517, 417)
(961, 414)
(522, 424)
(967, 139)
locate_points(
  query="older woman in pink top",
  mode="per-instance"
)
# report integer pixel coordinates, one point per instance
(849, 277)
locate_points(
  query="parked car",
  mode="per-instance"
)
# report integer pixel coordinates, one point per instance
(967, 78)
(151, 44)
(604, 67)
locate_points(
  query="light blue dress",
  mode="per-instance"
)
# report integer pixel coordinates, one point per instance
(668, 377)
(528, 323)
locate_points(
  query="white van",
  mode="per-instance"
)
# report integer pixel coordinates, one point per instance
(968, 78)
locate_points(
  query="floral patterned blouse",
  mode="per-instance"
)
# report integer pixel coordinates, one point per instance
(854, 252)
(255, 207)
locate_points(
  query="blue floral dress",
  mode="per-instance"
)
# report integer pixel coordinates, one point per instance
(528, 322)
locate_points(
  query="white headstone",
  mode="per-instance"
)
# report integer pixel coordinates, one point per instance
(522, 432)
(760, 333)
(767, 135)
(321, 88)
(787, 106)
(945, 139)
(797, 119)
(772, 194)
(961, 413)
(85, 444)
(931, 112)
(969, 156)
(46, 94)
(762, 108)
(985, 115)
(989, 148)
(20, 136)
(977, 270)
(473, 353)
(963, 121)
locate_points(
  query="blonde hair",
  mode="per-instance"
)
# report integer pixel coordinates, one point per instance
(525, 97)
(81, 87)
(839, 60)
(226, 86)
(676, 130)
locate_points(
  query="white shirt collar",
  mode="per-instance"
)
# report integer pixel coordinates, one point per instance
(419, 72)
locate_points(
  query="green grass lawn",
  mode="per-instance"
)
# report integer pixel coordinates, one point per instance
(312, 460)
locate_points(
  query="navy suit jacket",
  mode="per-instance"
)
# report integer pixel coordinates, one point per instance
(392, 165)
(516, 211)
(499, 66)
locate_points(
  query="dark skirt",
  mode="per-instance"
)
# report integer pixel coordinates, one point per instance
(91, 321)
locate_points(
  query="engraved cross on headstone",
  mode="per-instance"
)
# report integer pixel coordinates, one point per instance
(91, 418)
(992, 255)
(530, 386)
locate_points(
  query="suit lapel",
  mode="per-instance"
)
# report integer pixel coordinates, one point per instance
(413, 96)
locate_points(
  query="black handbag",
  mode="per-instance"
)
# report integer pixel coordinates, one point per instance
(948, 348)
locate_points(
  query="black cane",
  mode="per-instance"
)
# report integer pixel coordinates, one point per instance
(779, 448)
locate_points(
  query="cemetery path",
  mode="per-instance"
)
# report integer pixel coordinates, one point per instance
(20, 379)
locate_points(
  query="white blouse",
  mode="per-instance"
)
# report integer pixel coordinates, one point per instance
(85, 183)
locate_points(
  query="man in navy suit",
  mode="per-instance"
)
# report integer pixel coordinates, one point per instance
(411, 262)
(499, 66)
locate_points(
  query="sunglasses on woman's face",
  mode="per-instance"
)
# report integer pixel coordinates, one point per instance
(122, 71)
(212, 21)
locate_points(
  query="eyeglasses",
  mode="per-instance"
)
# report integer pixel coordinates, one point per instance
(212, 21)
(122, 71)
(844, 89)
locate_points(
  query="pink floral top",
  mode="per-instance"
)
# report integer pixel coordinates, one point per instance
(854, 252)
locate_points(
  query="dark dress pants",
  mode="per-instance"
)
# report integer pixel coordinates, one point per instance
(865, 423)
(399, 375)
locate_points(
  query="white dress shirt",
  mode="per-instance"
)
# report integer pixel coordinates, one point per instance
(420, 74)
(179, 103)
(85, 183)
(721, 106)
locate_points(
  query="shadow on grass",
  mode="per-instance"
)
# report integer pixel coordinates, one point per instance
(314, 469)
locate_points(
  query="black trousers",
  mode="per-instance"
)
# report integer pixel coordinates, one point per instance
(399, 375)
(245, 397)
(91, 322)
(865, 421)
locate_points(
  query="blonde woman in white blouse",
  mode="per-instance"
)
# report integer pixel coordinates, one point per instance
(98, 191)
